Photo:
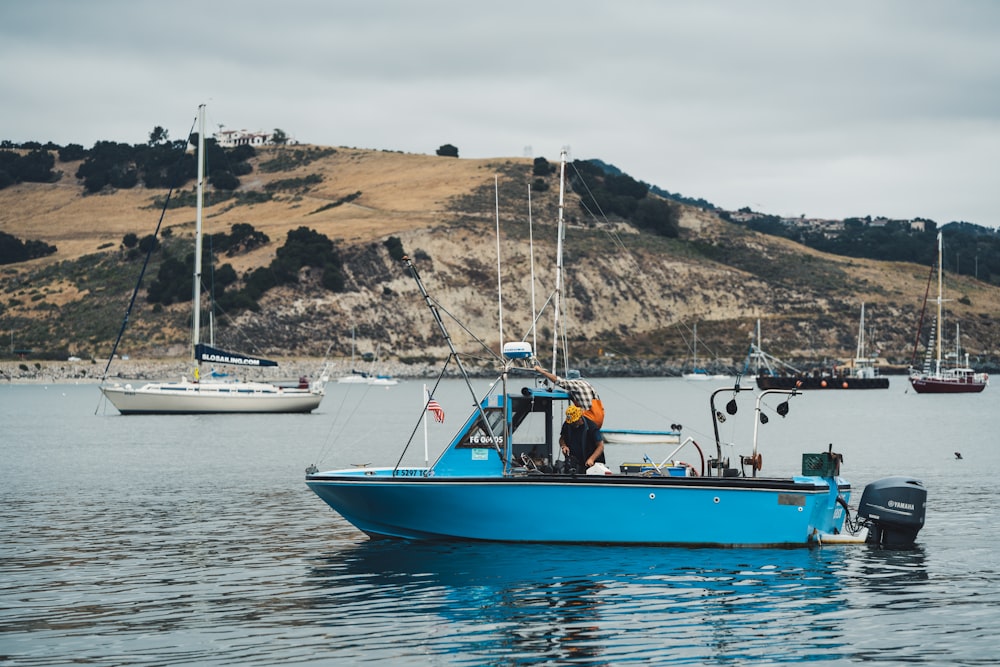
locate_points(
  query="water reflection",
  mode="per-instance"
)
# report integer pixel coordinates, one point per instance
(536, 604)
(889, 571)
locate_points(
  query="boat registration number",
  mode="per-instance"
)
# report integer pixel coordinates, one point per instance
(793, 499)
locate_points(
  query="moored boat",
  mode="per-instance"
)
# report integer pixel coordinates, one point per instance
(698, 373)
(862, 373)
(212, 395)
(501, 473)
(934, 377)
(486, 471)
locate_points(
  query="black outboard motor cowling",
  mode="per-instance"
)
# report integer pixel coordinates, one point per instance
(895, 508)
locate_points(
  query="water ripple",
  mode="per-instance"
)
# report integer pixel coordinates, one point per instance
(126, 542)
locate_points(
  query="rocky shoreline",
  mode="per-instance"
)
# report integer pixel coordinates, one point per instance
(88, 371)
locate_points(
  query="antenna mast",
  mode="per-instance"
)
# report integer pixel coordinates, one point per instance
(559, 262)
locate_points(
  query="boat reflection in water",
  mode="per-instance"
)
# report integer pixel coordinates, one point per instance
(544, 604)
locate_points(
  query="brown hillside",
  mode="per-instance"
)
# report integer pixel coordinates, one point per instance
(630, 294)
(398, 192)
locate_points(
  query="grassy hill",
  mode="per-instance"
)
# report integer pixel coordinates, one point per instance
(630, 296)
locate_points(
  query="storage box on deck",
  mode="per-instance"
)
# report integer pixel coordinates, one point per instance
(822, 464)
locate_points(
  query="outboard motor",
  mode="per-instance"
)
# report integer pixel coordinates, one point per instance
(894, 507)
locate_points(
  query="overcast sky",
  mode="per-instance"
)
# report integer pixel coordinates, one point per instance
(790, 107)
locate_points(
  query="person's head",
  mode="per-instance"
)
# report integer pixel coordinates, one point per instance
(573, 414)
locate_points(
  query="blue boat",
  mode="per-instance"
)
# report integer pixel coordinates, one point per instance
(495, 478)
(488, 480)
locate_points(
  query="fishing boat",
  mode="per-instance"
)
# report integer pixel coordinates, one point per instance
(499, 474)
(213, 394)
(862, 373)
(697, 373)
(934, 377)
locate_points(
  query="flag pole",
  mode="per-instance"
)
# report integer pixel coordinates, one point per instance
(427, 461)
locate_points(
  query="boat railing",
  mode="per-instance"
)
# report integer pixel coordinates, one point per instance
(670, 461)
(754, 460)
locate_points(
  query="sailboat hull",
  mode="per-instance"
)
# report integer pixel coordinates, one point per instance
(938, 385)
(612, 509)
(210, 397)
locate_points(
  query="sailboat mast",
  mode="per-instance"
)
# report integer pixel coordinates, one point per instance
(694, 347)
(559, 263)
(196, 297)
(937, 370)
(861, 334)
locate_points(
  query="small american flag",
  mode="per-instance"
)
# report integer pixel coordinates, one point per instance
(435, 407)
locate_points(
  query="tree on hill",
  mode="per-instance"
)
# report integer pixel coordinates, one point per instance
(159, 163)
(448, 150)
(72, 152)
(611, 192)
(658, 216)
(14, 250)
(33, 167)
(542, 167)
(158, 136)
(307, 247)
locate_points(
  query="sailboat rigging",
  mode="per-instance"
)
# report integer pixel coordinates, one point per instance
(697, 372)
(933, 378)
(212, 396)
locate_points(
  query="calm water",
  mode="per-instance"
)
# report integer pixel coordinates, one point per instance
(193, 540)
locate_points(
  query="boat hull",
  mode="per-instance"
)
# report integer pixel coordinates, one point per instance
(640, 437)
(940, 386)
(612, 509)
(705, 376)
(808, 382)
(208, 398)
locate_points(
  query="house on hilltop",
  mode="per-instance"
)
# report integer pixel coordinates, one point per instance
(233, 138)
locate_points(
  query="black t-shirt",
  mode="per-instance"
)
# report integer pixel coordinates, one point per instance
(582, 437)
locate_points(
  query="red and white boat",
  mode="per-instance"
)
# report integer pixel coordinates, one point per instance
(933, 378)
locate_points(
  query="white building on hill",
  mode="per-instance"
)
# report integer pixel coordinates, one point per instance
(233, 138)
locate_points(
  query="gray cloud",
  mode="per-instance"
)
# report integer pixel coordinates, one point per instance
(831, 110)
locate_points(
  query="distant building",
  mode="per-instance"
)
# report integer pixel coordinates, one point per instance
(744, 216)
(233, 138)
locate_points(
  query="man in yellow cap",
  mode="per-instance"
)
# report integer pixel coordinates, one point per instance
(581, 440)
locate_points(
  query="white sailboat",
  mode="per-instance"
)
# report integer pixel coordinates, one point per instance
(865, 365)
(369, 376)
(355, 376)
(696, 372)
(212, 395)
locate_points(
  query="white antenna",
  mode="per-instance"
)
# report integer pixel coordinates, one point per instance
(559, 262)
(531, 260)
(496, 189)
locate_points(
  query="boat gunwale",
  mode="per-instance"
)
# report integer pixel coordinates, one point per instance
(804, 484)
